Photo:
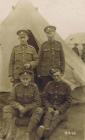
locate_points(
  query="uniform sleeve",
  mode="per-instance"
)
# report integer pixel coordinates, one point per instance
(11, 63)
(34, 63)
(45, 93)
(67, 102)
(37, 96)
(40, 54)
(12, 99)
(62, 60)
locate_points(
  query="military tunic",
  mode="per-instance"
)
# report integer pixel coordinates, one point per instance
(28, 97)
(51, 56)
(20, 56)
(25, 95)
(56, 96)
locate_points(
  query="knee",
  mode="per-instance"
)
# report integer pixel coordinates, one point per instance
(39, 110)
(7, 112)
(50, 110)
(7, 109)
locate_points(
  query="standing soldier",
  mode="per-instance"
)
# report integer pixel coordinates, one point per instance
(75, 49)
(51, 56)
(24, 103)
(23, 55)
(56, 101)
(83, 53)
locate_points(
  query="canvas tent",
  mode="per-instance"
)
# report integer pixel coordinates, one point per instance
(78, 38)
(76, 41)
(25, 16)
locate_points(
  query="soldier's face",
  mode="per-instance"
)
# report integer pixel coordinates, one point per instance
(57, 76)
(25, 79)
(51, 35)
(23, 39)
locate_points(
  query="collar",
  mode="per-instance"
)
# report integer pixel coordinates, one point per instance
(25, 45)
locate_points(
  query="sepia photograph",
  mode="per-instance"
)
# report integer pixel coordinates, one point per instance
(42, 70)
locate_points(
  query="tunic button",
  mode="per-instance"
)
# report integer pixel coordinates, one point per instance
(53, 53)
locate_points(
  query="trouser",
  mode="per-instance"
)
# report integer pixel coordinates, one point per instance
(42, 81)
(35, 119)
(47, 119)
(8, 123)
(9, 127)
(51, 121)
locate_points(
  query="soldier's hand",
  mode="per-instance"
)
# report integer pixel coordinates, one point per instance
(27, 66)
(21, 109)
(50, 109)
(26, 109)
(62, 74)
(58, 73)
(11, 79)
(56, 112)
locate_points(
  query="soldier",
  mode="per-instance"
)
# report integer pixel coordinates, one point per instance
(75, 49)
(56, 100)
(24, 102)
(83, 53)
(51, 56)
(23, 55)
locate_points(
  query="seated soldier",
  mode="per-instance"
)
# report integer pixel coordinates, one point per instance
(56, 101)
(24, 101)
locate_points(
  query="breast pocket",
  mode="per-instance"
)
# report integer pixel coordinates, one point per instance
(46, 53)
(57, 52)
(29, 56)
(19, 96)
(29, 98)
(18, 56)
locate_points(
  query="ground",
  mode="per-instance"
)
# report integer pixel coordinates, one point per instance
(73, 128)
(74, 124)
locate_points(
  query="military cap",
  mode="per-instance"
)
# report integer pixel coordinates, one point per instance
(26, 72)
(28, 31)
(22, 33)
(49, 29)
